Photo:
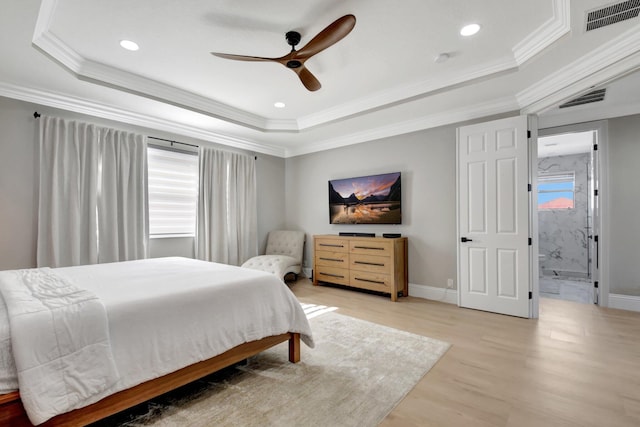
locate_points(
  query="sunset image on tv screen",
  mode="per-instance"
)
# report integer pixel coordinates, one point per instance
(373, 199)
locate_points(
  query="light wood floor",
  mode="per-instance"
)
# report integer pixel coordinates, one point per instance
(577, 365)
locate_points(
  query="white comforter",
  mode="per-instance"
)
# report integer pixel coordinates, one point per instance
(60, 341)
(8, 374)
(167, 313)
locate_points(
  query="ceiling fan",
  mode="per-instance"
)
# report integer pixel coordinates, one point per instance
(296, 58)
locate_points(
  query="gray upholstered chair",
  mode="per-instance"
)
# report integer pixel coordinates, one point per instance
(283, 255)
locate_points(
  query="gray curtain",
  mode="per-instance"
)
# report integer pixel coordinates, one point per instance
(227, 207)
(93, 194)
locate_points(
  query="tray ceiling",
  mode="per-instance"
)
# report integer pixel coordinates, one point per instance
(380, 80)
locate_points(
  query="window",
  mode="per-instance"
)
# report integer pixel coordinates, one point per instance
(556, 190)
(173, 192)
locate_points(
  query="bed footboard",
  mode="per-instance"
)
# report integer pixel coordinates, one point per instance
(12, 412)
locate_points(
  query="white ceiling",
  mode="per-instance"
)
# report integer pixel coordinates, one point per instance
(566, 144)
(380, 80)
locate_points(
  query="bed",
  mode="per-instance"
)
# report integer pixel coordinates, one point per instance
(89, 341)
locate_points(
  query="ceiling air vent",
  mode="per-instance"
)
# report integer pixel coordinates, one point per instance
(615, 13)
(595, 96)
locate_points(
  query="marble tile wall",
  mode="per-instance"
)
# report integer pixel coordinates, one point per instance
(563, 233)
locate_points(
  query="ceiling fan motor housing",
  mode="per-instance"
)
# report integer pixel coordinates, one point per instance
(293, 38)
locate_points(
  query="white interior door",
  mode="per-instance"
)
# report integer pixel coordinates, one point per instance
(493, 217)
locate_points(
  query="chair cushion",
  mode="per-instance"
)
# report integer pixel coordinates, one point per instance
(279, 265)
(286, 242)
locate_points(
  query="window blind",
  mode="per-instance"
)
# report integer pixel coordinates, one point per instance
(173, 192)
(556, 177)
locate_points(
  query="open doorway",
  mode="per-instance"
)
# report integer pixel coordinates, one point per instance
(568, 212)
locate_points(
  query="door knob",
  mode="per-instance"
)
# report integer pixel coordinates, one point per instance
(464, 239)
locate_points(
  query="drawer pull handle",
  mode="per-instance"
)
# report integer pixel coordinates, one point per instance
(370, 281)
(332, 259)
(377, 264)
(330, 245)
(332, 275)
(369, 247)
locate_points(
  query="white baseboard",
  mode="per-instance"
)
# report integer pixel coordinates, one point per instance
(624, 302)
(450, 296)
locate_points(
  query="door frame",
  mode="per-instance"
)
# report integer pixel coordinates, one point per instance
(534, 306)
(603, 199)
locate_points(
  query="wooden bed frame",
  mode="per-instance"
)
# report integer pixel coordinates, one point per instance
(12, 412)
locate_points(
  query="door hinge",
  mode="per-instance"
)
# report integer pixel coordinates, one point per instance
(595, 285)
(595, 192)
(530, 295)
(530, 241)
(528, 134)
(595, 147)
(528, 187)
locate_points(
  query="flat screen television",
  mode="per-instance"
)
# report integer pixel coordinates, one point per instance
(371, 199)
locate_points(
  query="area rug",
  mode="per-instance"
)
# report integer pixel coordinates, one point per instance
(356, 374)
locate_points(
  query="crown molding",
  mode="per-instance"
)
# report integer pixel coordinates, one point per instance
(466, 113)
(406, 93)
(117, 114)
(93, 71)
(149, 88)
(89, 70)
(104, 111)
(545, 35)
(612, 59)
(110, 76)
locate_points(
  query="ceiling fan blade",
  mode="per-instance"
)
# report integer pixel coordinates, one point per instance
(327, 37)
(242, 57)
(308, 80)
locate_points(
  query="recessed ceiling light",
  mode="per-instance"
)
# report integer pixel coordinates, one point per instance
(469, 30)
(279, 104)
(129, 45)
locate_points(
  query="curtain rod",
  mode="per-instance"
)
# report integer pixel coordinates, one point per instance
(183, 143)
(173, 142)
(37, 115)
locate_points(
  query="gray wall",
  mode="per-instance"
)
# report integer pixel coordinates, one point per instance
(19, 185)
(427, 161)
(272, 205)
(624, 179)
(293, 194)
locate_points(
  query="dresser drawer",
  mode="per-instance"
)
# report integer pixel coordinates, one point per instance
(370, 263)
(374, 247)
(373, 263)
(339, 276)
(334, 245)
(332, 259)
(372, 281)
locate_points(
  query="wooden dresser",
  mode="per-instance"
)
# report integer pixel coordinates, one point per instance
(373, 263)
